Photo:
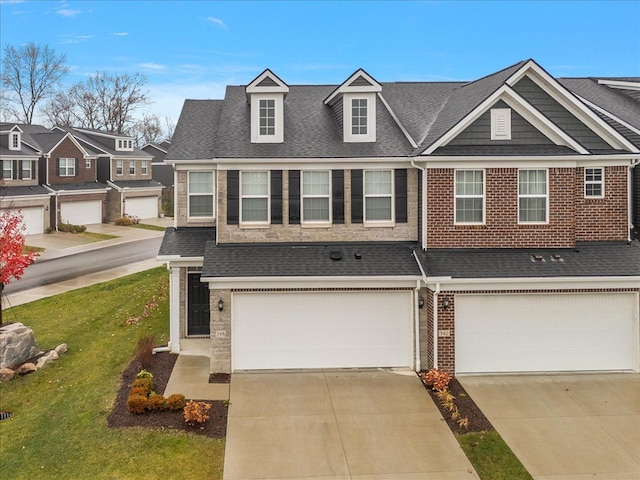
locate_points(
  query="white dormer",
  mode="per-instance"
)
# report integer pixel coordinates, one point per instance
(356, 100)
(266, 95)
(124, 144)
(15, 138)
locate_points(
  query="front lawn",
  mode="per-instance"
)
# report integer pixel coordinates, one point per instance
(491, 456)
(59, 427)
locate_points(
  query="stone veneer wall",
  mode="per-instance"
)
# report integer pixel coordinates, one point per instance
(220, 332)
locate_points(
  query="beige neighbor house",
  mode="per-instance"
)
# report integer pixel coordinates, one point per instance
(482, 226)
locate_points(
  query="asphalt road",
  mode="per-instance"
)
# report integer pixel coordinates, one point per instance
(47, 272)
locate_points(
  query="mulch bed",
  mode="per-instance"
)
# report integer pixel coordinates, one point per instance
(161, 367)
(466, 407)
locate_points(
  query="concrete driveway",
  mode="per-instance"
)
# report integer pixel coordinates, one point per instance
(566, 426)
(365, 425)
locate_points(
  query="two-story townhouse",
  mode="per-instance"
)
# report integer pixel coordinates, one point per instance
(127, 170)
(162, 172)
(472, 226)
(20, 188)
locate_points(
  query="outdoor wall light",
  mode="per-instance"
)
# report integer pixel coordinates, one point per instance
(420, 302)
(220, 305)
(445, 303)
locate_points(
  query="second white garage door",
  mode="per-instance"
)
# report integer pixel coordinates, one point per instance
(546, 332)
(321, 330)
(32, 218)
(142, 207)
(81, 213)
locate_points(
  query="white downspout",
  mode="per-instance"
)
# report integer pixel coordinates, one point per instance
(424, 203)
(175, 197)
(435, 325)
(632, 164)
(418, 363)
(174, 312)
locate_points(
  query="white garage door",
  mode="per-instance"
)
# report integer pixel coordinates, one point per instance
(321, 330)
(81, 213)
(33, 219)
(546, 332)
(142, 207)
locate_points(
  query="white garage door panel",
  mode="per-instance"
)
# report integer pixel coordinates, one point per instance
(142, 207)
(321, 330)
(562, 332)
(33, 219)
(81, 213)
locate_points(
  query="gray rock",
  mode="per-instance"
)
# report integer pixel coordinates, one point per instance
(6, 375)
(44, 361)
(26, 369)
(17, 344)
(53, 355)
(62, 348)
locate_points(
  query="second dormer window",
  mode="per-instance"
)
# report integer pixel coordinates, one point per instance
(15, 142)
(359, 116)
(267, 117)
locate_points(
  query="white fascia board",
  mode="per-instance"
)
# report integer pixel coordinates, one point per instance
(155, 190)
(569, 101)
(45, 196)
(115, 187)
(625, 85)
(178, 261)
(302, 163)
(253, 87)
(551, 161)
(190, 164)
(397, 120)
(345, 86)
(75, 142)
(610, 115)
(71, 193)
(533, 283)
(311, 282)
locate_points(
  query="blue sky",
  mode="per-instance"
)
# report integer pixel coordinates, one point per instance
(192, 49)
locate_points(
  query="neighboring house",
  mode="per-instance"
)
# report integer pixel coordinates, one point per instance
(476, 227)
(127, 170)
(162, 172)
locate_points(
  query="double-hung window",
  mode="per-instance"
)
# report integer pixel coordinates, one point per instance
(469, 196)
(254, 197)
(533, 196)
(201, 194)
(7, 169)
(144, 167)
(119, 167)
(267, 117)
(316, 197)
(359, 116)
(25, 170)
(378, 196)
(132, 167)
(67, 167)
(594, 182)
(15, 141)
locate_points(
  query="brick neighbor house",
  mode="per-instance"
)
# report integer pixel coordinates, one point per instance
(482, 226)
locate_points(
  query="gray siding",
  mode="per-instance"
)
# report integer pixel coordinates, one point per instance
(479, 132)
(360, 82)
(558, 114)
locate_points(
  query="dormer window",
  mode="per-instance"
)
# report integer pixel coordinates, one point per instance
(123, 144)
(267, 117)
(359, 116)
(266, 95)
(14, 141)
(500, 124)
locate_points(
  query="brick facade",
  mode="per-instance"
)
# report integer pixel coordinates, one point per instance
(125, 169)
(68, 149)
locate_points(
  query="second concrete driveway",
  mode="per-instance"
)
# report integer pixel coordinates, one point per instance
(338, 425)
(566, 426)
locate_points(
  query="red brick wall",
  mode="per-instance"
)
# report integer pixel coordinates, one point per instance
(571, 217)
(599, 219)
(67, 149)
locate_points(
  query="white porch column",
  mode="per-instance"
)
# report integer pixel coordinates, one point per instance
(174, 310)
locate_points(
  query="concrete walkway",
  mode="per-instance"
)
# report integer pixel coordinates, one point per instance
(338, 425)
(566, 427)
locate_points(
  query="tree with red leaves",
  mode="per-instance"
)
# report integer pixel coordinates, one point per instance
(13, 260)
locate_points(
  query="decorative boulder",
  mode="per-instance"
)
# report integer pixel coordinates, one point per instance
(26, 369)
(44, 361)
(62, 348)
(17, 345)
(6, 375)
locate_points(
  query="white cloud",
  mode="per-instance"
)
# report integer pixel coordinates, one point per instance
(68, 12)
(217, 21)
(152, 66)
(120, 34)
(69, 39)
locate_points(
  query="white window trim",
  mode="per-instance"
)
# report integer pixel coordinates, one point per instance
(132, 167)
(144, 167)
(73, 166)
(546, 221)
(119, 168)
(22, 169)
(586, 182)
(87, 163)
(124, 145)
(378, 223)
(10, 177)
(242, 197)
(321, 223)
(496, 115)
(484, 196)
(213, 195)
(278, 99)
(348, 136)
(12, 136)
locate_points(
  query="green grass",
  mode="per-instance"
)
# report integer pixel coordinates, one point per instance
(146, 226)
(58, 428)
(95, 237)
(491, 457)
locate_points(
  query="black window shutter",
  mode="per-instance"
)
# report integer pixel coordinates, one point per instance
(17, 169)
(276, 197)
(294, 197)
(401, 195)
(75, 173)
(57, 167)
(337, 191)
(356, 196)
(34, 165)
(233, 197)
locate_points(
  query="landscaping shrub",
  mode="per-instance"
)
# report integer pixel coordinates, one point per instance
(195, 413)
(139, 391)
(175, 401)
(436, 379)
(146, 383)
(156, 403)
(124, 221)
(137, 403)
(70, 228)
(144, 350)
(144, 374)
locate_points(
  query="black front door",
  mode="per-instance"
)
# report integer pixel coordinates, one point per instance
(198, 306)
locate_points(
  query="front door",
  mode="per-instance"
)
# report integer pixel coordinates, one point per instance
(198, 306)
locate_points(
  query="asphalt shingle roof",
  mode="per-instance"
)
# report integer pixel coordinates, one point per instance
(78, 186)
(186, 242)
(23, 191)
(137, 183)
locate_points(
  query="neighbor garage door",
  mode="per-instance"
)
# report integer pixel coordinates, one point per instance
(142, 207)
(321, 330)
(33, 219)
(81, 213)
(546, 332)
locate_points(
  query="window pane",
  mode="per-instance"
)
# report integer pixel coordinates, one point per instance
(533, 209)
(378, 208)
(255, 183)
(201, 206)
(315, 183)
(6, 169)
(359, 116)
(200, 182)
(316, 210)
(469, 182)
(377, 183)
(254, 209)
(593, 174)
(533, 182)
(469, 210)
(593, 189)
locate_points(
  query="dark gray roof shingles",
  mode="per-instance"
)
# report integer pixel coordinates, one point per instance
(186, 242)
